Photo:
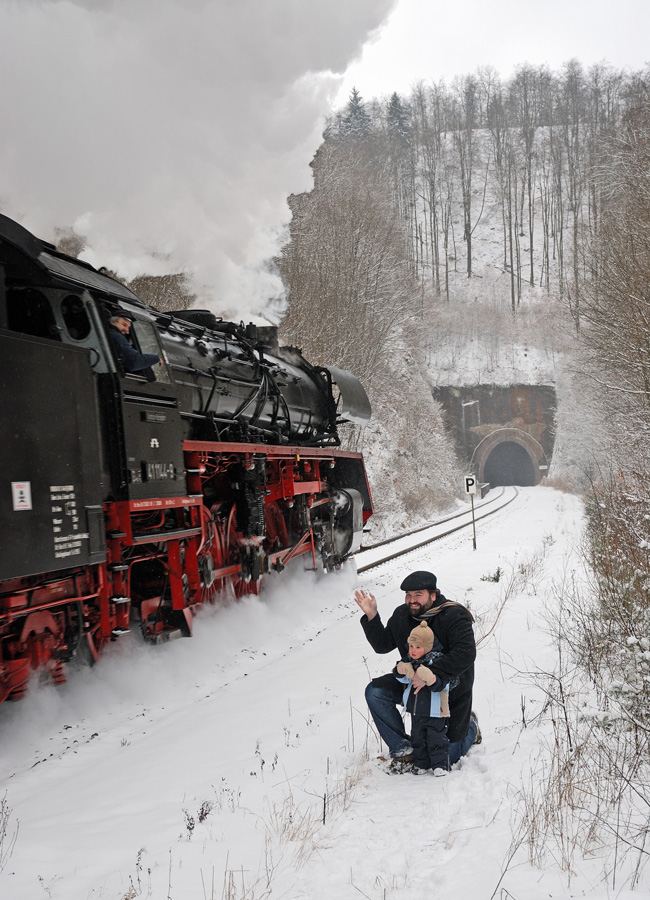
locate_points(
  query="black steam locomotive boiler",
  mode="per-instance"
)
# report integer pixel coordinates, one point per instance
(136, 496)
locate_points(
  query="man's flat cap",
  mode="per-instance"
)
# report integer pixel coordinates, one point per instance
(419, 581)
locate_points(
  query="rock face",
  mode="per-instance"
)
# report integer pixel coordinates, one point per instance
(505, 434)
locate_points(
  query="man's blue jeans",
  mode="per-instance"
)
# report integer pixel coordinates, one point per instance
(390, 725)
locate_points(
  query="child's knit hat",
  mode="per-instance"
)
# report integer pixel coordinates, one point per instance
(422, 636)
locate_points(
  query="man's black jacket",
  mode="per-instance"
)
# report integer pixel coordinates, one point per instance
(453, 626)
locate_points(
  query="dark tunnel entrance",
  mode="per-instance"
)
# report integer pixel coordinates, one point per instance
(509, 463)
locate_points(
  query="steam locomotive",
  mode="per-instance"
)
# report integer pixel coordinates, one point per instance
(129, 499)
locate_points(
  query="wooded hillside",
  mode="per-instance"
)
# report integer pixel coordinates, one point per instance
(450, 235)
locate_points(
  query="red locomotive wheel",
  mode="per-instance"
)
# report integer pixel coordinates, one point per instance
(91, 641)
(95, 640)
(276, 529)
(212, 558)
(240, 550)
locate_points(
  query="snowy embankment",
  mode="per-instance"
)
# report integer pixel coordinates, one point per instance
(205, 768)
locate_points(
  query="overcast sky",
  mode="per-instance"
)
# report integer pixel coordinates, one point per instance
(430, 40)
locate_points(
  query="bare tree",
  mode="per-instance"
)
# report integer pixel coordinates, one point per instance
(525, 95)
(464, 111)
(346, 265)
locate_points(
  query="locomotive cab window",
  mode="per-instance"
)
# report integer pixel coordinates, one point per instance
(29, 312)
(75, 317)
(148, 342)
(136, 348)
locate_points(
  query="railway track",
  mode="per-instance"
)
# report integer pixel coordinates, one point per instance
(374, 555)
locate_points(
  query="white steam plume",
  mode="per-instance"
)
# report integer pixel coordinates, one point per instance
(170, 132)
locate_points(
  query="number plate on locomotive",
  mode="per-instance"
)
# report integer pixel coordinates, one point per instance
(158, 471)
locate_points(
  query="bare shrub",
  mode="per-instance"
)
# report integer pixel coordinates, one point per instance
(300, 823)
(523, 575)
(8, 835)
(588, 793)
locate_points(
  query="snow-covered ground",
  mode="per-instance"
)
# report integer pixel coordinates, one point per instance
(205, 768)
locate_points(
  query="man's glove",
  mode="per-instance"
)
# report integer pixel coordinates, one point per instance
(426, 675)
(405, 668)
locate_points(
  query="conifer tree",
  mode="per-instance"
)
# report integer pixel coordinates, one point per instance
(356, 121)
(397, 117)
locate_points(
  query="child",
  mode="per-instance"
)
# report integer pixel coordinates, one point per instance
(428, 706)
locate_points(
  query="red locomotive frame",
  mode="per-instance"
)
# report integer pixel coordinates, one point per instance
(166, 558)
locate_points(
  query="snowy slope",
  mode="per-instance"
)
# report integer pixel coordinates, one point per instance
(203, 769)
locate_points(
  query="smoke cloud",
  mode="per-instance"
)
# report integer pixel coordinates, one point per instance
(169, 133)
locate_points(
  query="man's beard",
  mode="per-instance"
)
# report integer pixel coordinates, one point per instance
(418, 610)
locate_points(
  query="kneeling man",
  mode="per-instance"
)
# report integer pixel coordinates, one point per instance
(452, 624)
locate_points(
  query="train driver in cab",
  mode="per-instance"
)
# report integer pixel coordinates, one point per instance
(133, 361)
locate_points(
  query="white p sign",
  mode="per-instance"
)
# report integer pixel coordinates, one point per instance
(470, 484)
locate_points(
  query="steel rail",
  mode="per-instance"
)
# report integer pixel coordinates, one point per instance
(437, 537)
(456, 515)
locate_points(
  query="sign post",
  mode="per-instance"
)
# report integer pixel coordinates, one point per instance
(470, 488)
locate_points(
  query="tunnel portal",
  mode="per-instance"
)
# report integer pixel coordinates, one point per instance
(505, 434)
(509, 463)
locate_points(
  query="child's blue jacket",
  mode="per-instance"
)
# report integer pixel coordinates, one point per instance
(427, 701)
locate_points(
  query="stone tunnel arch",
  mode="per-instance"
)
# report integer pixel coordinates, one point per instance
(509, 456)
